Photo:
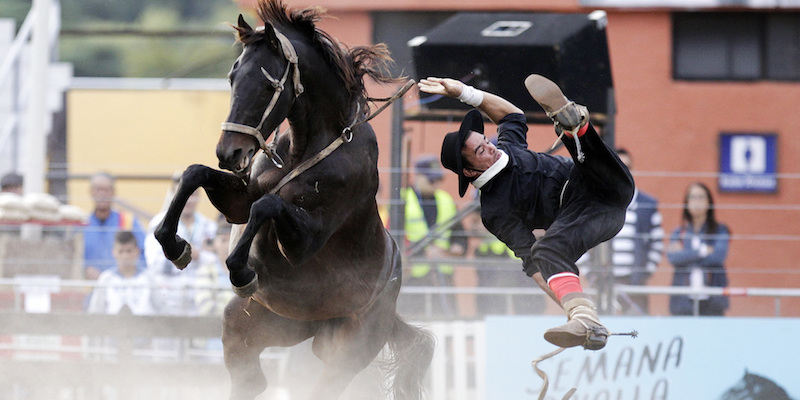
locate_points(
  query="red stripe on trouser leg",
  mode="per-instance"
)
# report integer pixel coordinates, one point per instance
(564, 283)
(581, 131)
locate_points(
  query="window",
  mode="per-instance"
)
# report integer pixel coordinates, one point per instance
(736, 46)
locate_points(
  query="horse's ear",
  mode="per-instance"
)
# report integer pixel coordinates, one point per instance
(269, 31)
(243, 25)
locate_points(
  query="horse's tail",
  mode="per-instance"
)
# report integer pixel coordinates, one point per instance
(411, 354)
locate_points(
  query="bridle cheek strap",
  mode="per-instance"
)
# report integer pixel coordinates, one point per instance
(291, 56)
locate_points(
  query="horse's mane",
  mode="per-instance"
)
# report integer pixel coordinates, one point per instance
(351, 64)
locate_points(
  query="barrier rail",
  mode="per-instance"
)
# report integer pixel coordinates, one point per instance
(457, 371)
(777, 293)
(17, 287)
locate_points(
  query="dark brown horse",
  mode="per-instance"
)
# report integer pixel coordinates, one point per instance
(313, 259)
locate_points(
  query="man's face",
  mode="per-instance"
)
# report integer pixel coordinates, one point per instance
(126, 255)
(13, 189)
(478, 153)
(221, 243)
(102, 190)
(626, 159)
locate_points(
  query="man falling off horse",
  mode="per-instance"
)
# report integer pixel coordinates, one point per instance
(579, 201)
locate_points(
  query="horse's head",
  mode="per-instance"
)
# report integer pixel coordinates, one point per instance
(265, 80)
(265, 83)
(755, 387)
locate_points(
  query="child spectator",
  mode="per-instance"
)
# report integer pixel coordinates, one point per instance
(213, 282)
(125, 287)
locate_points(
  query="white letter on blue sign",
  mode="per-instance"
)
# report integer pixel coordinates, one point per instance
(748, 155)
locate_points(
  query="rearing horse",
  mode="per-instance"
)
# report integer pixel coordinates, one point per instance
(314, 259)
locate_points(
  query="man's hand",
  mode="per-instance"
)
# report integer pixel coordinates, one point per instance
(495, 107)
(443, 86)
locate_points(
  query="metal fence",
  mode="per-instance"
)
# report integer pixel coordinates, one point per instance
(69, 354)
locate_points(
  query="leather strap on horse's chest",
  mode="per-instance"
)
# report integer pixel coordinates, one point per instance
(305, 165)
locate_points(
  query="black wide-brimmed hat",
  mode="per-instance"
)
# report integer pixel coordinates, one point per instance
(454, 141)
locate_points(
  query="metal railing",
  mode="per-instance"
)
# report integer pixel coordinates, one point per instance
(12, 73)
(15, 289)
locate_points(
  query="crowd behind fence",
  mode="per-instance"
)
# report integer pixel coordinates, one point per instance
(68, 296)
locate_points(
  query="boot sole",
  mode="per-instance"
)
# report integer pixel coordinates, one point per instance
(552, 99)
(564, 339)
(595, 341)
(545, 92)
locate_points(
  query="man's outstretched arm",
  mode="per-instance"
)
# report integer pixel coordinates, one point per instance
(494, 106)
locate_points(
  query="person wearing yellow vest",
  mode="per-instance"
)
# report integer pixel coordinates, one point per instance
(491, 274)
(426, 205)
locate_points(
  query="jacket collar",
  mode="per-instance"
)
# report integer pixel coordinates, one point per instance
(492, 171)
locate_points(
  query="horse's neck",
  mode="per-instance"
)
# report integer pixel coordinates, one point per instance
(315, 124)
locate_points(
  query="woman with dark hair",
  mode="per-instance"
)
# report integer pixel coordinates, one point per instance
(697, 250)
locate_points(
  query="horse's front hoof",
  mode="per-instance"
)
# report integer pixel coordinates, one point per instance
(185, 258)
(247, 290)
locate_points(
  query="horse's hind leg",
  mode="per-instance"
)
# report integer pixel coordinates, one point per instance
(249, 328)
(347, 346)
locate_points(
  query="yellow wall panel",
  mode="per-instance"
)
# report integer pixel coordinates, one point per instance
(143, 137)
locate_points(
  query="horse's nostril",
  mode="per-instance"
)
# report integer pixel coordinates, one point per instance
(236, 156)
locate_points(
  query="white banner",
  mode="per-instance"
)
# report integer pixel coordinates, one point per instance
(676, 358)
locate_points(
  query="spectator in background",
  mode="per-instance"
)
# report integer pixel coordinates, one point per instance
(12, 205)
(11, 183)
(175, 288)
(212, 279)
(213, 285)
(697, 250)
(104, 222)
(125, 287)
(492, 257)
(426, 205)
(637, 248)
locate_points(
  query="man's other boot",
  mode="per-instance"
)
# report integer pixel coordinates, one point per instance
(583, 327)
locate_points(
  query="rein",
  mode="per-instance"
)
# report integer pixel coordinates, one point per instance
(345, 137)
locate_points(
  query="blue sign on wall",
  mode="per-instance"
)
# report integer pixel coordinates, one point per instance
(748, 162)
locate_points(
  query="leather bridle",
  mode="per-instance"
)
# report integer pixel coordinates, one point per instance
(291, 64)
(345, 137)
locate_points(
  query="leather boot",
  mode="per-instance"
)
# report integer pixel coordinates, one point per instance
(565, 114)
(583, 327)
